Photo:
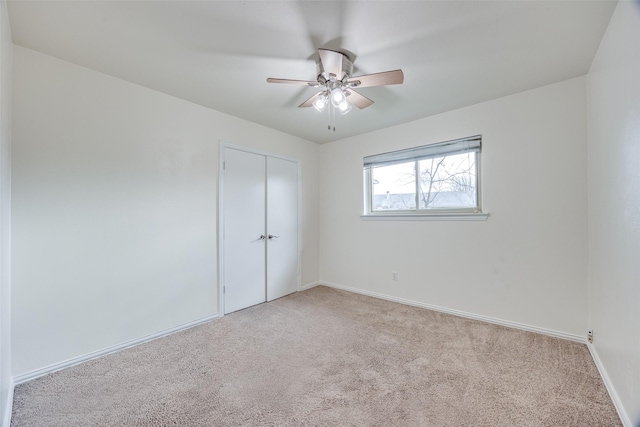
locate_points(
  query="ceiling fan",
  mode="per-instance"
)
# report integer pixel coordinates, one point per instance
(337, 85)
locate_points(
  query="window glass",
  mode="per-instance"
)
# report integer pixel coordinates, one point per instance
(448, 182)
(394, 187)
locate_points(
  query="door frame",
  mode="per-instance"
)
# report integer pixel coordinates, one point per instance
(220, 236)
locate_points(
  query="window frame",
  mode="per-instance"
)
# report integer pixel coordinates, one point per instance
(446, 213)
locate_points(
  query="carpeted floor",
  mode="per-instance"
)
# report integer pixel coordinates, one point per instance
(324, 357)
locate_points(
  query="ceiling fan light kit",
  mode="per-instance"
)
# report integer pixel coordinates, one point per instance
(334, 78)
(321, 102)
(337, 96)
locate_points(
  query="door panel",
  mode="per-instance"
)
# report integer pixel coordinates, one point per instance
(282, 221)
(244, 205)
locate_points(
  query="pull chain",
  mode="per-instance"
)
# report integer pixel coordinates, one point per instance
(332, 117)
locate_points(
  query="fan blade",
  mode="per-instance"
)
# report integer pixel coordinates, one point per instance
(295, 82)
(394, 77)
(331, 62)
(357, 99)
(309, 101)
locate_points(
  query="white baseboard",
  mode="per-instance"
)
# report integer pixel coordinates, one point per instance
(501, 322)
(624, 417)
(8, 407)
(28, 376)
(310, 285)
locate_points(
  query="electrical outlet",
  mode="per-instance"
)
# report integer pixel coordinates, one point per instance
(590, 336)
(394, 275)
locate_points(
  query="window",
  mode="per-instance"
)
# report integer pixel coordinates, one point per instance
(440, 178)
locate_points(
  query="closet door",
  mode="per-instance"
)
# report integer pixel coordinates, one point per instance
(244, 240)
(282, 227)
(260, 228)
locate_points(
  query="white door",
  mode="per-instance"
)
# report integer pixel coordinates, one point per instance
(244, 242)
(282, 227)
(260, 228)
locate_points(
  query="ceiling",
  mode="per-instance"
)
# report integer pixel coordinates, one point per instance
(219, 53)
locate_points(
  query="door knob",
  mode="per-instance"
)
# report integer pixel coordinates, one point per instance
(262, 237)
(271, 236)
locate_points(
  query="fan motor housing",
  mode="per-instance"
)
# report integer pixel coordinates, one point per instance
(347, 70)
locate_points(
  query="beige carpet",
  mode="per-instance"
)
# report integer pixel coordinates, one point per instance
(329, 358)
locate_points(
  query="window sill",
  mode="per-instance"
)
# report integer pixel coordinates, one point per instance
(452, 216)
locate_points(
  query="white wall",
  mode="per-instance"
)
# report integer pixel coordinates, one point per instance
(614, 205)
(526, 264)
(114, 208)
(6, 47)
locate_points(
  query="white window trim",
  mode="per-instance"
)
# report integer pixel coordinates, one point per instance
(450, 216)
(461, 214)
